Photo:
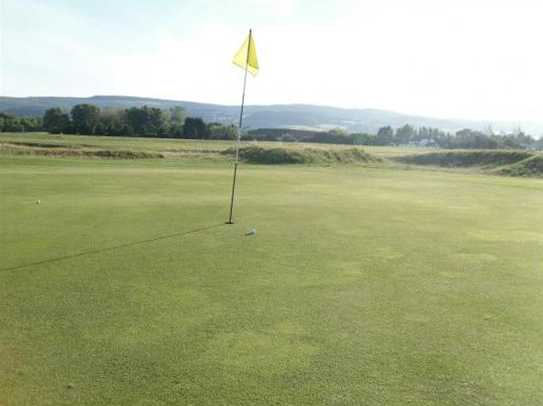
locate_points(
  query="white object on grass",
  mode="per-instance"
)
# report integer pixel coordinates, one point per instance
(252, 231)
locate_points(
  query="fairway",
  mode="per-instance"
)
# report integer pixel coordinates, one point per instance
(362, 286)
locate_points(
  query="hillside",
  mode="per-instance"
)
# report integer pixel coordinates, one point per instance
(261, 116)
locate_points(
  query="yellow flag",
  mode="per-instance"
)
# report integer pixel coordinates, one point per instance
(241, 59)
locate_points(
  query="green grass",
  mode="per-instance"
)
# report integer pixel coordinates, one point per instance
(174, 148)
(372, 286)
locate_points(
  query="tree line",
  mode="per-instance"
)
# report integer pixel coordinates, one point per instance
(462, 139)
(406, 135)
(88, 119)
(9, 123)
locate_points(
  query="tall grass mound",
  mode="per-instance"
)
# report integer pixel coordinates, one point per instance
(280, 155)
(54, 150)
(466, 159)
(532, 167)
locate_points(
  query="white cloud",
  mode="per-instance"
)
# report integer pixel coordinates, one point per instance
(473, 59)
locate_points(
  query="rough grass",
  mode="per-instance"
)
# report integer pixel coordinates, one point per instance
(37, 144)
(363, 286)
(507, 163)
(532, 167)
(59, 150)
(178, 147)
(466, 158)
(501, 162)
(281, 155)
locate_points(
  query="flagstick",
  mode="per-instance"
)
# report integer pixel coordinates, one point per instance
(236, 162)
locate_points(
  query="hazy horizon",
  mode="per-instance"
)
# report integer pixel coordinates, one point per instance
(455, 60)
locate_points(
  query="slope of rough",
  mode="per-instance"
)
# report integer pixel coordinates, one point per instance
(532, 166)
(465, 159)
(280, 155)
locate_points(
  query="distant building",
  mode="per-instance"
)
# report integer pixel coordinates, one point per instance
(426, 142)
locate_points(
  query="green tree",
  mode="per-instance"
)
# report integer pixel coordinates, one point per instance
(85, 118)
(156, 121)
(195, 127)
(385, 135)
(405, 134)
(135, 119)
(178, 115)
(218, 131)
(56, 121)
(147, 121)
(364, 139)
(111, 122)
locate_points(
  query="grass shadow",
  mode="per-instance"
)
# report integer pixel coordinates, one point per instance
(113, 248)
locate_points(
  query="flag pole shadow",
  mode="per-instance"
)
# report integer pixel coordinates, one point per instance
(112, 248)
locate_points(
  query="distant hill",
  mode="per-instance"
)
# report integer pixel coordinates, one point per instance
(261, 116)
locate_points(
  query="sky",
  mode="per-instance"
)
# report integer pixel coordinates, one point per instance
(473, 59)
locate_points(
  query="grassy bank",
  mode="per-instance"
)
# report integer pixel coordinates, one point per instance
(500, 162)
(172, 148)
(282, 155)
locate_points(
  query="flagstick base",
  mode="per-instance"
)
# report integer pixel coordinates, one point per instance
(229, 222)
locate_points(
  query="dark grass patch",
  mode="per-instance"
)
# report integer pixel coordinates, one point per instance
(279, 156)
(40, 144)
(72, 152)
(114, 154)
(193, 150)
(37, 144)
(532, 167)
(466, 159)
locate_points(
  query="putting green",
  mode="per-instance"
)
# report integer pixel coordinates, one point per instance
(372, 286)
